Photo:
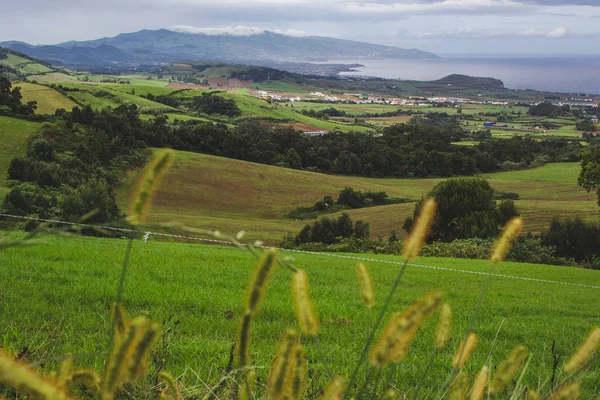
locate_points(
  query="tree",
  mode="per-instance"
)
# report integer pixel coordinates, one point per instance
(466, 209)
(589, 177)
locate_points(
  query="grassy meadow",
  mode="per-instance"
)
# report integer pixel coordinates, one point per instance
(218, 193)
(13, 135)
(57, 293)
(48, 99)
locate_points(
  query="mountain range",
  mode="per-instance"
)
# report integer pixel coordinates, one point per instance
(148, 47)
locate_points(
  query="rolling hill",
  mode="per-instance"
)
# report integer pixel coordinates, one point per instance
(232, 195)
(160, 46)
(19, 66)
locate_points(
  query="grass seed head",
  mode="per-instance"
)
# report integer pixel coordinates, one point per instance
(532, 395)
(480, 384)
(247, 390)
(464, 351)
(143, 347)
(242, 348)
(420, 229)
(282, 364)
(64, 372)
(391, 395)
(568, 392)
(511, 231)
(155, 172)
(585, 351)
(458, 390)
(260, 281)
(25, 381)
(119, 321)
(398, 334)
(119, 361)
(334, 390)
(297, 375)
(444, 327)
(171, 383)
(87, 377)
(303, 305)
(365, 283)
(508, 369)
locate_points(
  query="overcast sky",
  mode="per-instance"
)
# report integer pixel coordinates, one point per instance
(440, 26)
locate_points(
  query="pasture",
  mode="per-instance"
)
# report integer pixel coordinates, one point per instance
(230, 195)
(13, 136)
(57, 293)
(48, 99)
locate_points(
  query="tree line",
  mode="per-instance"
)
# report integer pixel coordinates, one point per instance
(73, 165)
(420, 148)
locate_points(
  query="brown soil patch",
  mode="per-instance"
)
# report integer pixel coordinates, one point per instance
(217, 81)
(237, 83)
(179, 85)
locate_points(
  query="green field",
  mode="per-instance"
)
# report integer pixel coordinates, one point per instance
(252, 107)
(232, 195)
(13, 136)
(57, 294)
(48, 99)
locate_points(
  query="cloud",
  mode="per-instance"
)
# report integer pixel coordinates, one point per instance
(235, 30)
(559, 32)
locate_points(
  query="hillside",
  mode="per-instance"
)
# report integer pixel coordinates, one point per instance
(159, 46)
(13, 136)
(17, 65)
(232, 195)
(48, 99)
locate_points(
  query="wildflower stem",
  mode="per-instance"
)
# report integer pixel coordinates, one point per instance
(124, 271)
(365, 349)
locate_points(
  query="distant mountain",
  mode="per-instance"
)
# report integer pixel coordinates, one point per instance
(164, 46)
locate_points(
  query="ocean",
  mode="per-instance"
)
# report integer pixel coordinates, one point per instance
(578, 74)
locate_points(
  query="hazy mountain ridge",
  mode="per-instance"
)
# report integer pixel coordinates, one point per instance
(163, 46)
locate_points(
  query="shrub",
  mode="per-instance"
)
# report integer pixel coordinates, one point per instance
(575, 239)
(328, 231)
(466, 209)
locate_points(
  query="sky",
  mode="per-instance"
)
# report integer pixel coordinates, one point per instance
(520, 27)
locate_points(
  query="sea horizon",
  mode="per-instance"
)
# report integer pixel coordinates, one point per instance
(560, 73)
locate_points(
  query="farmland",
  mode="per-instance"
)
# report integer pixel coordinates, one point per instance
(57, 296)
(230, 195)
(48, 99)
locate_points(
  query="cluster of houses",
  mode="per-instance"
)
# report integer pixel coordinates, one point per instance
(357, 98)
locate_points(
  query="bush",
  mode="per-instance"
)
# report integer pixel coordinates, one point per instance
(328, 231)
(575, 239)
(466, 209)
(525, 250)
(210, 103)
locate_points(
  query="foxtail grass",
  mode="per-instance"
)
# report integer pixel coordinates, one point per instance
(303, 304)
(284, 360)
(585, 352)
(155, 172)
(365, 283)
(508, 369)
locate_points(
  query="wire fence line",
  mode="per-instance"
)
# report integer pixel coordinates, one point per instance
(147, 234)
